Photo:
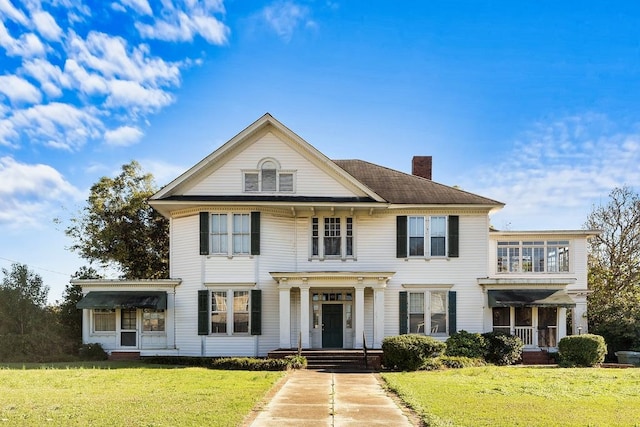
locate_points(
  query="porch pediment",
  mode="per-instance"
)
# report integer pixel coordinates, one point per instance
(332, 278)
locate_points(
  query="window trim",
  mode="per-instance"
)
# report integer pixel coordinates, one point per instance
(427, 247)
(426, 309)
(103, 311)
(278, 170)
(229, 292)
(507, 250)
(347, 237)
(208, 235)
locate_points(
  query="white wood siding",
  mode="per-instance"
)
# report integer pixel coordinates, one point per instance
(309, 180)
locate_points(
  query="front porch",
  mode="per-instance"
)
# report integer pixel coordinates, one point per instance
(331, 310)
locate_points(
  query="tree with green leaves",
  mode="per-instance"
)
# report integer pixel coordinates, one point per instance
(28, 328)
(118, 228)
(69, 316)
(614, 270)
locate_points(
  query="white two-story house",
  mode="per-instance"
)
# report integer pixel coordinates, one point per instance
(274, 246)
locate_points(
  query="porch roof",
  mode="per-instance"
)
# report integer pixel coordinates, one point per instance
(124, 299)
(530, 298)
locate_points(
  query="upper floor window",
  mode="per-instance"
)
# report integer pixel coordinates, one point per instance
(332, 237)
(268, 178)
(229, 233)
(433, 236)
(550, 256)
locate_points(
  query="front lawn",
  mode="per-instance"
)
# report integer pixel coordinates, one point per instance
(522, 396)
(131, 394)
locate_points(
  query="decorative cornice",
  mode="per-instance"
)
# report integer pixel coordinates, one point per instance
(287, 280)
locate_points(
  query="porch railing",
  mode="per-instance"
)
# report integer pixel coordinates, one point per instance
(525, 333)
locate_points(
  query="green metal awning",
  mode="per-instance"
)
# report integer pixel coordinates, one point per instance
(124, 299)
(530, 298)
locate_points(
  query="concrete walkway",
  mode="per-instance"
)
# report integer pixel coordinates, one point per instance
(313, 398)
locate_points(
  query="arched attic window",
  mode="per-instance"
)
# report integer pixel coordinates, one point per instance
(268, 178)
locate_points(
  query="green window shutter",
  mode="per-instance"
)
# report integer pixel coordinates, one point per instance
(203, 312)
(404, 320)
(255, 233)
(401, 237)
(256, 312)
(454, 247)
(204, 233)
(452, 312)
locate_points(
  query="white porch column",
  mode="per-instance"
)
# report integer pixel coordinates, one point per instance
(359, 306)
(378, 317)
(562, 326)
(579, 319)
(304, 316)
(285, 317)
(170, 312)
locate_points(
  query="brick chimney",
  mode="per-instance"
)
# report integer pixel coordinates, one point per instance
(421, 166)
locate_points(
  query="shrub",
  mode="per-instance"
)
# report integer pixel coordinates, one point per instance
(458, 362)
(250, 364)
(409, 352)
(466, 344)
(582, 350)
(297, 362)
(431, 364)
(502, 349)
(92, 351)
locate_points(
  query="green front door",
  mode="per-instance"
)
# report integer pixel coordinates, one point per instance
(331, 325)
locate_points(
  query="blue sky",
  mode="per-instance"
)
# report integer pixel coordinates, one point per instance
(531, 103)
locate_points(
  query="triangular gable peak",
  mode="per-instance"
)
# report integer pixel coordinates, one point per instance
(251, 147)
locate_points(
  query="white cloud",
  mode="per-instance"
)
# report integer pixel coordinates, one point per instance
(111, 57)
(19, 90)
(8, 9)
(130, 94)
(123, 136)
(140, 6)
(47, 26)
(555, 173)
(284, 17)
(51, 78)
(56, 125)
(30, 192)
(183, 24)
(27, 45)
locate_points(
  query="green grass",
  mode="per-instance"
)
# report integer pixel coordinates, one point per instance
(126, 393)
(520, 396)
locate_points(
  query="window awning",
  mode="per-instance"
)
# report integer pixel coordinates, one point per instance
(124, 299)
(530, 298)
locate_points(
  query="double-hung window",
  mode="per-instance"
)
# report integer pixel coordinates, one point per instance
(332, 237)
(430, 236)
(230, 233)
(153, 320)
(427, 312)
(229, 311)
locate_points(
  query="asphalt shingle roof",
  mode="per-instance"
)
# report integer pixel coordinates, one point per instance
(399, 187)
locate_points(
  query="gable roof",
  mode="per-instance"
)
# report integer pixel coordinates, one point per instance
(264, 124)
(378, 185)
(401, 188)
